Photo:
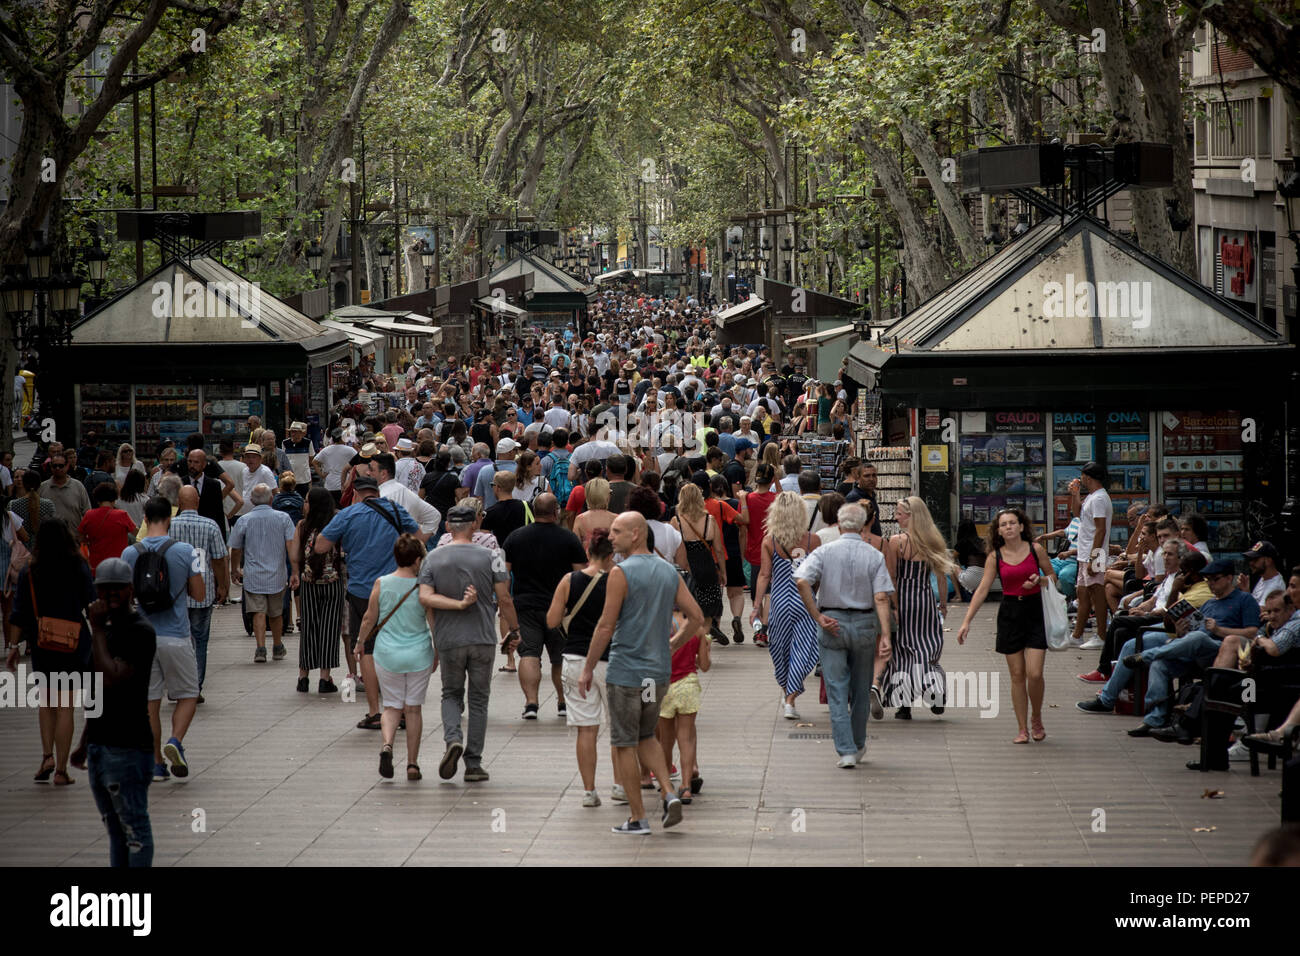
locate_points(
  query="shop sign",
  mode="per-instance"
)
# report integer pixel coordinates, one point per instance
(934, 457)
(1017, 421)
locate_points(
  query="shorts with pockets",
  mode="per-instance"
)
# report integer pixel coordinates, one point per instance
(633, 718)
(272, 605)
(683, 697)
(534, 635)
(175, 670)
(590, 711)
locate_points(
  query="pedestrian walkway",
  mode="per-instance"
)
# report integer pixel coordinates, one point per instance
(284, 778)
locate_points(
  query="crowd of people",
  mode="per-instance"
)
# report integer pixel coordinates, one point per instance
(606, 500)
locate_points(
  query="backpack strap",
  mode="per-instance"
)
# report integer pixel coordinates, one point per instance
(391, 518)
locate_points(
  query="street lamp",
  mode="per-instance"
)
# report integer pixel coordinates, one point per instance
(1289, 187)
(385, 257)
(314, 255)
(902, 269)
(41, 308)
(96, 265)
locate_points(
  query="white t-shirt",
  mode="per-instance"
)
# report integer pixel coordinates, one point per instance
(667, 540)
(334, 459)
(828, 534)
(250, 480)
(593, 451)
(557, 417)
(1096, 505)
(1266, 586)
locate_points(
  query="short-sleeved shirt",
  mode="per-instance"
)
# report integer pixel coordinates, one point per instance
(1096, 505)
(123, 719)
(367, 537)
(334, 459)
(540, 555)
(848, 573)
(173, 622)
(70, 502)
(1266, 586)
(204, 536)
(106, 532)
(262, 535)
(1238, 609)
(449, 569)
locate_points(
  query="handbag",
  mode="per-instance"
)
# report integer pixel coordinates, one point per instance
(1056, 618)
(54, 633)
(568, 618)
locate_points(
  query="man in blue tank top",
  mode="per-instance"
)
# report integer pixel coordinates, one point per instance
(639, 601)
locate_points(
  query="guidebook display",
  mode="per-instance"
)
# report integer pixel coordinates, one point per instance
(1003, 471)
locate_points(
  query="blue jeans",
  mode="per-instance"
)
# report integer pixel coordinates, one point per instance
(848, 661)
(119, 781)
(1067, 569)
(1196, 648)
(1122, 675)
(200, 628)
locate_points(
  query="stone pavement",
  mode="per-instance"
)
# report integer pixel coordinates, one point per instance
(284, 778)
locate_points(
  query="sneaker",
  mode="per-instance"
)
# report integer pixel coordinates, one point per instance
(861, 754)
(279, 652)
(1238, 751)
(718, 637)
(175, 755)
(877, 704)
(903, 713)
(737, 631)
(618, 794)
(1142, 730)
(447, 769)
(1093, 677)
(386, 763)
(1094, 706)
(1092, 643)
(672, 812)
(326, 687)
(562, 709)
(475, 774)
(530, 712)
(259, 656)
(791, 713)
(303, 684)
(848, 761)
(634, 827)
(160, 773)
(590, 798)
(201, 700)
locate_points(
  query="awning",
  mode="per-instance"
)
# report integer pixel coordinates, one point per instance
(817, 338)
(865, 362)
(402, 328)
(752, 304)
(494, 304)
(361, 337)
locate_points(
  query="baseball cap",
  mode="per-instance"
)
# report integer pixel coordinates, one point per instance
(1262, 549)
(744, 444)
(506, 445)
(461, 514)
(1221, 566)
(364, 481)
(114, 572)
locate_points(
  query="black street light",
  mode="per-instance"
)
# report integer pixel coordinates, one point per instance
(385, 258)
(41, 307)
(902, 269)
(96, 266)
(314, 256)
(1289, 187)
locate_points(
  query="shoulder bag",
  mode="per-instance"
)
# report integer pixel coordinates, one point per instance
(380, 626)
(53, 633)
(568, 618)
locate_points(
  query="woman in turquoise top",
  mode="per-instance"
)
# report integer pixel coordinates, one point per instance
(404, 654)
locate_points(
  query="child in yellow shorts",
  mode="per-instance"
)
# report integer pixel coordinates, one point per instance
(681, 704)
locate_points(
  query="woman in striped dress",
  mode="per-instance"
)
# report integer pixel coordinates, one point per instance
(916, 553)
(320, 595)
(792, 635)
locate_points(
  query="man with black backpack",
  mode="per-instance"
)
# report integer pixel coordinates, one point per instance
(163, 572)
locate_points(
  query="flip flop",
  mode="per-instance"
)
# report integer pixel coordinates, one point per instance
(66, 781)
(508, 670)
(413, 772)
(43, 775)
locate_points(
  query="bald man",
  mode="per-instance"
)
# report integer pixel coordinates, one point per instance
(638, 614)
(538, 556)
(211, 559)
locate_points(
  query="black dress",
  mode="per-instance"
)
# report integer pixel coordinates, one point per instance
(707, 589)
(61, 597)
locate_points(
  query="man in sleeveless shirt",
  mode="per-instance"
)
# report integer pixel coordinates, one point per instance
(637, 619)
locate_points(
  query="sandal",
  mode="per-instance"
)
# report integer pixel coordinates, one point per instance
(1022, 737)
(386, 762)
(508, 670)
(43, 775)
(66, 781)
(697, 784)
(684, 795)
(1039, 732)
(370, 722)
(1268, 737)
(413, 772)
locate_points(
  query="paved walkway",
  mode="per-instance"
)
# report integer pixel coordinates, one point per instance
(284, 778)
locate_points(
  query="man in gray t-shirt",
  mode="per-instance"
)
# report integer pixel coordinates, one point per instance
(466, 640)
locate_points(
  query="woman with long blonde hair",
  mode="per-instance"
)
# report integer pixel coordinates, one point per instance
(791, 634)
(597, 514)
(915, 553)
(702, 551)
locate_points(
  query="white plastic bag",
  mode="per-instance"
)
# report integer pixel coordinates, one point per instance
(1056, 619)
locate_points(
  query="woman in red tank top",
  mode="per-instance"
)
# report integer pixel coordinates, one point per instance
(753, 508)
(1021, 565)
